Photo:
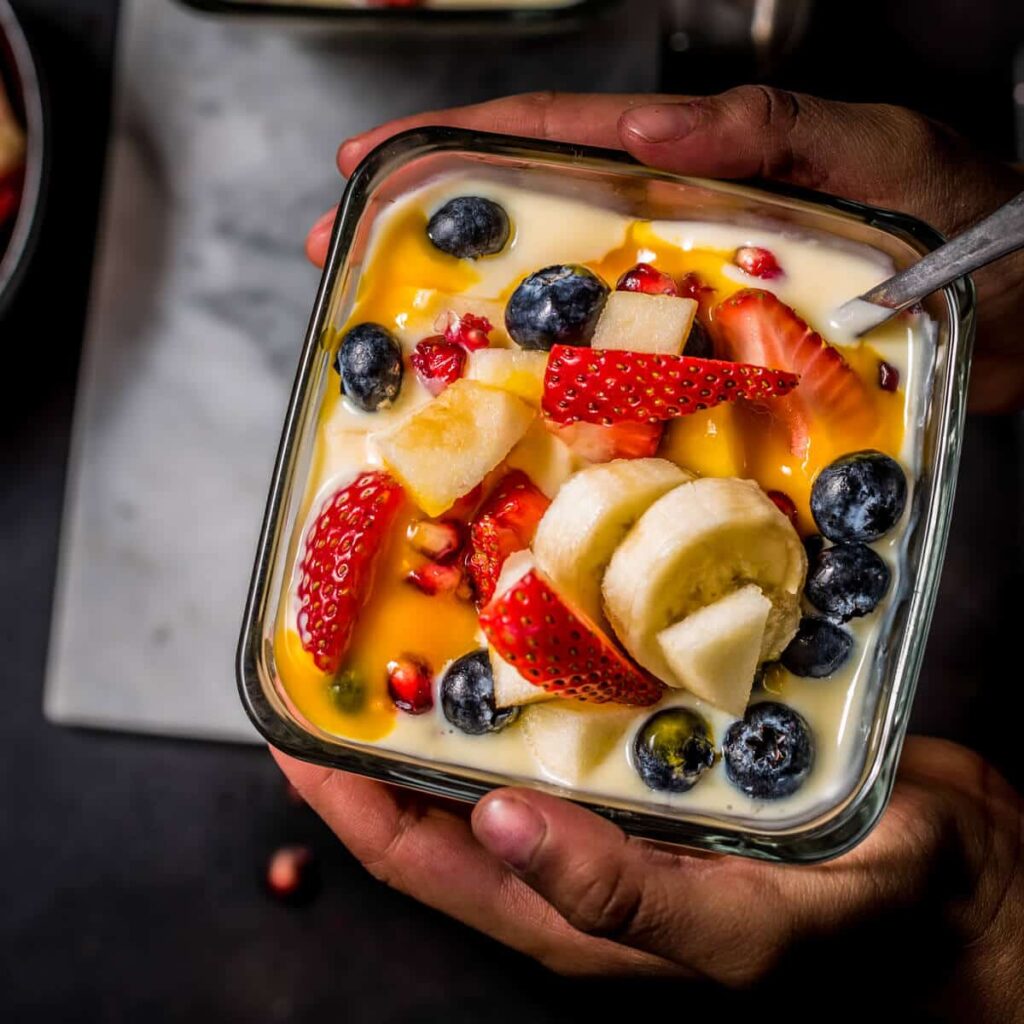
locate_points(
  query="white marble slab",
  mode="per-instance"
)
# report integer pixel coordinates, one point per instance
(224, 134)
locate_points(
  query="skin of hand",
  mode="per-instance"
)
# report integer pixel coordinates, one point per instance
(878, 154)
(943, 872)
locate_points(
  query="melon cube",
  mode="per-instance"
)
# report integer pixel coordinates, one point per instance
(714, 651)
(645, 323)
(515, 370)
(445, 448)
(569, 738)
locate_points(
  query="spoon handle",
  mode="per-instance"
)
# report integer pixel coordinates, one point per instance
(996, 236)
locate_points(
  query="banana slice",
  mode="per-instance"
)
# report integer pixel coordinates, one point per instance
(588, 519)
(701, 542)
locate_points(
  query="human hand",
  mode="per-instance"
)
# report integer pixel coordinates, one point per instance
(941, 876)
(882, 155)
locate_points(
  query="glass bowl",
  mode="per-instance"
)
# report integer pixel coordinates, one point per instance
(612, 180)
(464, 15)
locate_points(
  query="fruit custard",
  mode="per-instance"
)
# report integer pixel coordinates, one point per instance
(591, 502)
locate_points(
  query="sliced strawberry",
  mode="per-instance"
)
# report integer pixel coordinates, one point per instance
(612, 386)
(469, 331)
(647, 279)
(596, 442)
(438, 363)
(505, 523)
(339, 562)
(558, 648)
(756, 326)
(757, 262)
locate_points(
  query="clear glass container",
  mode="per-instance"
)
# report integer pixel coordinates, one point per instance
(473, 15)
(611, 180)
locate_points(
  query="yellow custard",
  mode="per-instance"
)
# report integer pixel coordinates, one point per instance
(406, 285)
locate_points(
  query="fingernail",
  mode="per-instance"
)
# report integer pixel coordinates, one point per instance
(347, 152)
(510, 829)
(661, 122)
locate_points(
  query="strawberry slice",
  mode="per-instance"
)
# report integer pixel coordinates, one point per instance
(597, 442)
(613, 386)
(558, 648)
(755, 325)
(339, 562)
(505, 523)
(438, 363)
(647, 279)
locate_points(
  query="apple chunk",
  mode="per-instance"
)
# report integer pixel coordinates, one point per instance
(569, 739)
(645, 323)
(715, 650)
(515, 370)
(444, 449)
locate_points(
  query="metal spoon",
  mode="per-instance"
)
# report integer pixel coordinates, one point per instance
(996, 236)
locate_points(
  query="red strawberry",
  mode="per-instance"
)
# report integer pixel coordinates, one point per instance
(612, 386)
(558, 648)
(756, 326)
(469, 331)
(505, 523)
(596, 442)
(757, 262)
(645, 278)
(438, 363)
(339, 562)
(465, 506)
(409, 684)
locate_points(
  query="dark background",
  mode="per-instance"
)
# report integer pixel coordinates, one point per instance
(132, 868)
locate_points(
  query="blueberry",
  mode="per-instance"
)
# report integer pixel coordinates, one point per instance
(467, 696)
(814, 545)
(369, 361)
(860, 496)
(556, 306)
(847, 580)
(468, 227)
(818, 648)
(673, 749)
(698, 344)
(769, 752)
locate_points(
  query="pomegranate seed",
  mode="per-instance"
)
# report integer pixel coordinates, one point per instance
(757, 262)
(469, 331)
(438, 541)
(433, 578)
(693, 286)
(785, 504)
(645, 278)
(438, 363)
(409, 684)
(888, 376)
(291, 874)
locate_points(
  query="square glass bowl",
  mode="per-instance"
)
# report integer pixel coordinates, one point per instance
(460, 15)
(613, 181)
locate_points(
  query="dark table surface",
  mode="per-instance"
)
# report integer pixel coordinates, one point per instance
(133, 867)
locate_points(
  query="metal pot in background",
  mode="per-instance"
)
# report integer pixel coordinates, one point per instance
(18, 72)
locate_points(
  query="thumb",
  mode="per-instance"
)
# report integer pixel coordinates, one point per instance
(755, 131)
(681, 906)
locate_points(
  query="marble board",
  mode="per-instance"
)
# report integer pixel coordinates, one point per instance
(221, 154)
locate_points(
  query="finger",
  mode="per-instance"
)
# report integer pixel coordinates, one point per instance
(318, 240)
(706, 914)
(587, 119)
(427, 850)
